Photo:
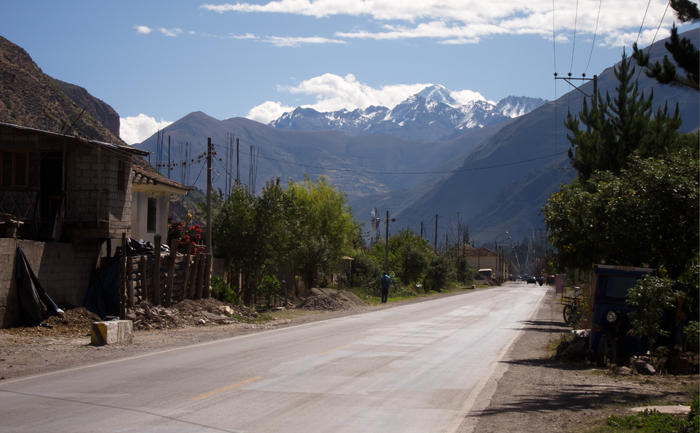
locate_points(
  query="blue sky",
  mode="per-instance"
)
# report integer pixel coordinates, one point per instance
(156, 61)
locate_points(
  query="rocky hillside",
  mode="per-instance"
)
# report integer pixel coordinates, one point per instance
(30, 98)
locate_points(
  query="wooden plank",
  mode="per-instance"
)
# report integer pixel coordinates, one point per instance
(156, 271)
(142, 270)
(122, 280)
(186, 279)
(193, 277)
(171, 271)
(206, 290)
(200, 275)
(130, 281)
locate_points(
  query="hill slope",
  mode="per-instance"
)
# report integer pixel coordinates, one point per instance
(33, 99)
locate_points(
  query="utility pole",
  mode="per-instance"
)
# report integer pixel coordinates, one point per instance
(436, 230)
(238, 177)
(386, 247)
(594, 97)
(421, 229)
(209, 237)
(168, 157)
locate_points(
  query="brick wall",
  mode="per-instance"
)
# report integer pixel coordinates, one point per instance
(62, 269)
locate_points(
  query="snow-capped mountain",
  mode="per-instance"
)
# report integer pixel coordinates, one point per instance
(431, 114)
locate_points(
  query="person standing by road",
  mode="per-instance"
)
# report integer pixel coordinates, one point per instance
(386, 283)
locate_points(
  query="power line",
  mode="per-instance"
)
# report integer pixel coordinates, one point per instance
(595, 32)
(573, 47)
(643, 19)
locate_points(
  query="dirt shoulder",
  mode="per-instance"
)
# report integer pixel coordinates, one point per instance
(540, 394)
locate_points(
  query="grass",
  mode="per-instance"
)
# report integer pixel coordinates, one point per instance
(376, 300)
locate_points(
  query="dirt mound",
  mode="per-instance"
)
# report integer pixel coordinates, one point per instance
(188, 313)
(327, 300)
(74, 323)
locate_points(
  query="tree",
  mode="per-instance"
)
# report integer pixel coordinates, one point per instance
(409, 255)
(647, 215)
(323, 228)
(683, 52)
(251, 233)
(616, 128)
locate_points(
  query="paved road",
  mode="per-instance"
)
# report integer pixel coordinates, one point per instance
(413, 368)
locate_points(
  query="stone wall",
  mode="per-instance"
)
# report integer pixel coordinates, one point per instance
(62, 269)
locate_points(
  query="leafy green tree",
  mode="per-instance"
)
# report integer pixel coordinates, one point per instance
(323, 228)
(409, 255)
(440, 273)
(683, 52)
(616, 127)
(651, 297)
(648, 215)
(251, 233)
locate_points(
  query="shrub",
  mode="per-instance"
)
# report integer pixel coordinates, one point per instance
(440, 273)
(221, 291)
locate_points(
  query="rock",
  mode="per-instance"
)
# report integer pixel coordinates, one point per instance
(645, 368)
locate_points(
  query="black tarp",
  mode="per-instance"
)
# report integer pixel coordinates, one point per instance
(34, 303)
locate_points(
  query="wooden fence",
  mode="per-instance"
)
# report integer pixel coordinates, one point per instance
(180, 277)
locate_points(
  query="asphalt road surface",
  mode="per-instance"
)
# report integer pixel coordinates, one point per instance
(414, 368)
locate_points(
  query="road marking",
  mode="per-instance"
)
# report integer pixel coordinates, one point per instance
(337, 348)
(226, 388)
(389, 332)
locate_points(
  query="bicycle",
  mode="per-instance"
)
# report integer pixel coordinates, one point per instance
(572, 306)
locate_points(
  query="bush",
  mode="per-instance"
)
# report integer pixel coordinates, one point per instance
(366, 273)
(440, 273)
(221, 291)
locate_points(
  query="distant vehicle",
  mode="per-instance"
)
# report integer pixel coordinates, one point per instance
(486, 273)
(551, 279)
(532, 280)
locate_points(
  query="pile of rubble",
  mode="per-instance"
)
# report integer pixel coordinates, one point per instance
(188, 313)
(328, 300)
(74, 323)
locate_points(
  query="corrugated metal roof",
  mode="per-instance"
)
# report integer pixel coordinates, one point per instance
(120, 147)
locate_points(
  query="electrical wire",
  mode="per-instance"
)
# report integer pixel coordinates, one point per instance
(643, 19)
(573, 48)
(595, 32)
(554, 40)
(656, 34)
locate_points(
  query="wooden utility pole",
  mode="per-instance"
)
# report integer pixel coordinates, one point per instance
(436, 231)
(386, 249)
(209, 238)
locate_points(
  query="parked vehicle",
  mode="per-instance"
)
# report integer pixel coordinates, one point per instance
(609, 337)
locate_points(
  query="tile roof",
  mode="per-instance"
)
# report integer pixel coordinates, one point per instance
(142, 173)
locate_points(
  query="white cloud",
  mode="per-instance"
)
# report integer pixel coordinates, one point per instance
(170, 32)
(469, 21)
(136, 129)
(334, 92)
(268, 111)
(465, 96)
(143, 29)
(296, 42)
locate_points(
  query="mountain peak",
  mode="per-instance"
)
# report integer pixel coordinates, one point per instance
(438, 93)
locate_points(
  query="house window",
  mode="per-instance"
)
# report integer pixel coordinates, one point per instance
(151, 218)
(15, 168)
(121, 177)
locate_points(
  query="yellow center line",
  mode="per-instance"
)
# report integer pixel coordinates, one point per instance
(226, 388)
(337, 348)
(389, 332)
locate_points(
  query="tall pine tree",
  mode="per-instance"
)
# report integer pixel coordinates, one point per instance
(615, 128)
(683, 52)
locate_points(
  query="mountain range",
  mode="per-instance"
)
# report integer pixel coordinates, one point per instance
(432, 114)
(494, 174)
